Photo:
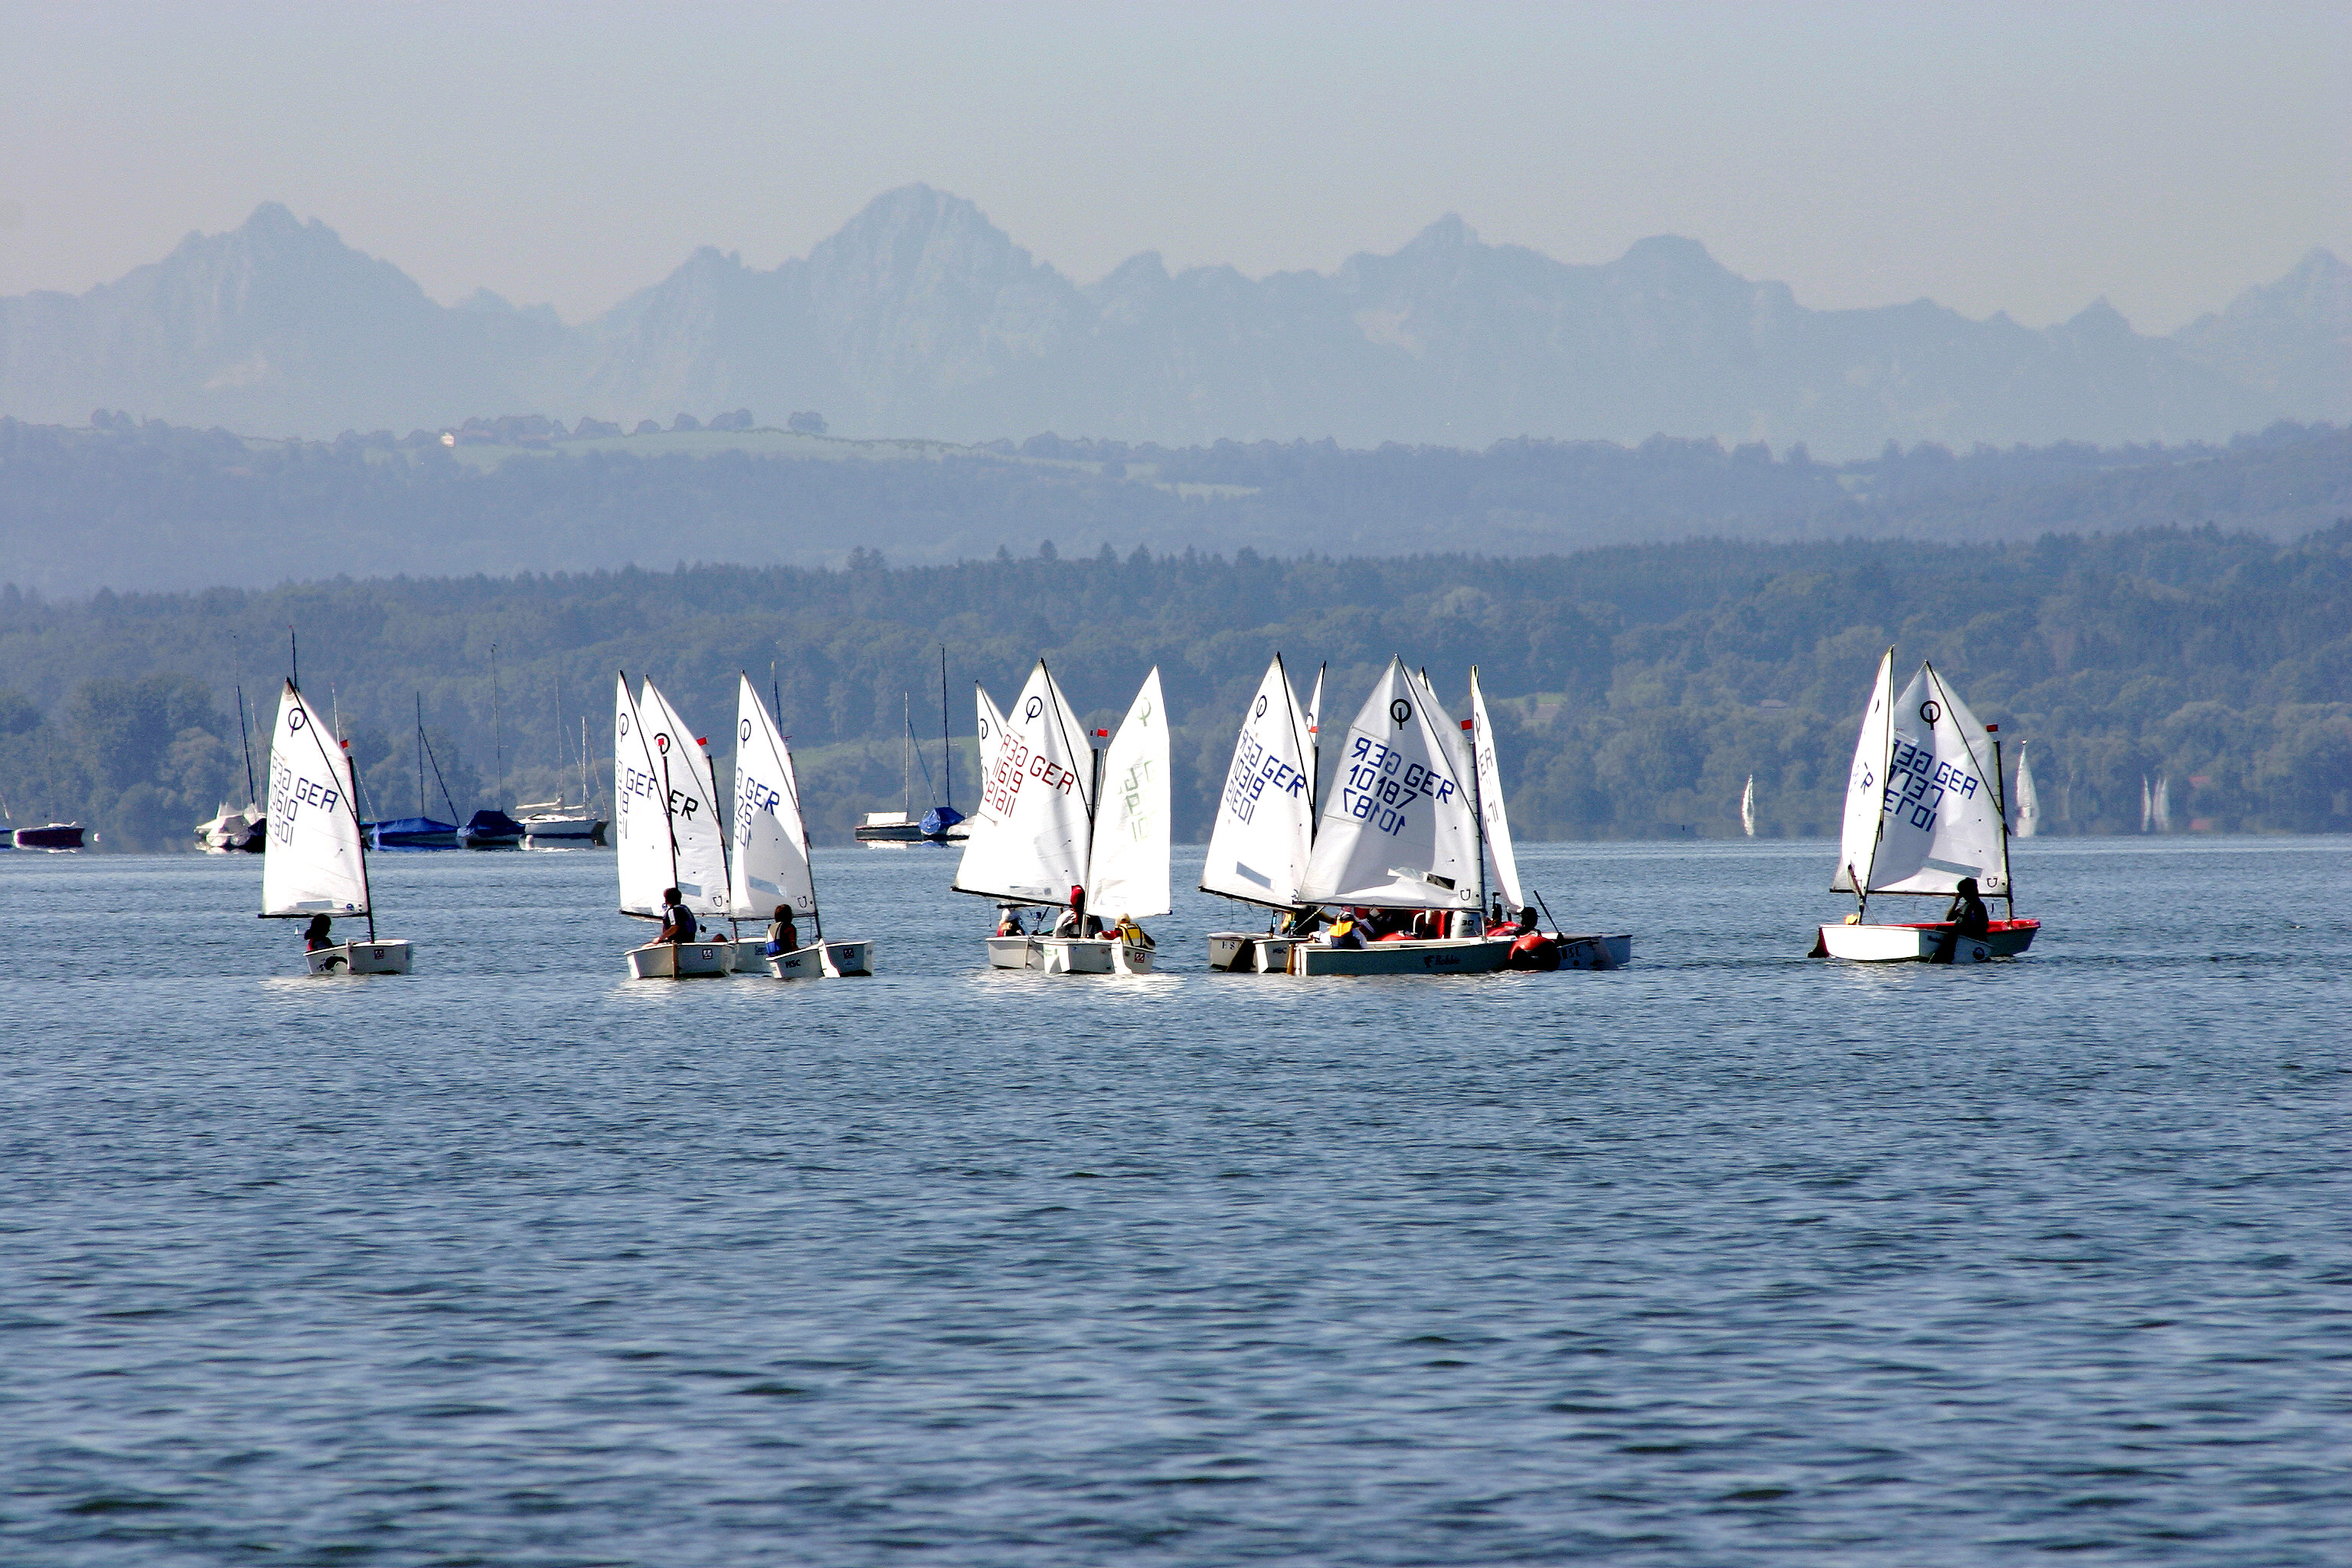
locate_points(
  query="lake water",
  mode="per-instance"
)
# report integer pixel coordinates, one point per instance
(1730, 1257)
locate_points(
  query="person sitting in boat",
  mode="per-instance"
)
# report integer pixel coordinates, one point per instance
(677, 920)
(318, 934)
(782, 936)
(1132, 934)
(1343, 932)
(1301, 923)
(1008, 921)
(1968, 918)
(1074, 921)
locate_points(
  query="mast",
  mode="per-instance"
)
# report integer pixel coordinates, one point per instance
(243, 738)
(2001, 792)
(497, 757)
(906, 756)
(586, 804)
(947, 746)
(420, 753)
(1477, 798)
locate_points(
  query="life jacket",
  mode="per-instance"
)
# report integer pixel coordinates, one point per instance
(1533, 950)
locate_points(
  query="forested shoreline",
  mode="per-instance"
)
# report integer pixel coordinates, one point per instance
(1635, 689)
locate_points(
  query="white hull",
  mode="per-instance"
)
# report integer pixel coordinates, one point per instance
(360, 958)
(850, 959)
(1591, 950)
(1245, 952)
(681, 960)
(1068, 955)
(1920, 943)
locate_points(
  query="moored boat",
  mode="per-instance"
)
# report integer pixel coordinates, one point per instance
(56, 837)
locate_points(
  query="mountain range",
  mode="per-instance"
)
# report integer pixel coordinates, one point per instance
(921, 317)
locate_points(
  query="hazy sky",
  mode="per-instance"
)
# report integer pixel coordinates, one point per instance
(2026, 158)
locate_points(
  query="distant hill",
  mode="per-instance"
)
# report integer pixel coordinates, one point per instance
(921, 318)
(130, 506)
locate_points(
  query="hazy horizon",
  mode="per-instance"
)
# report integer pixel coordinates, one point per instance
(1863, 155)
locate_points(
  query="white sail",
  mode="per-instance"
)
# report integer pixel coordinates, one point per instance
(640, 821)
(314, 865)
(2146, 806)
(1397, 831)
(992, 729)
(2163, 809)
(1501, 860)
(1128, 870)
(1265, 818)
(2029, 799)
(683, 770)
(1039, 831)
(1747, 808)
(1942, 818)
(1315, 738)
(770, 863)
(1865, 784)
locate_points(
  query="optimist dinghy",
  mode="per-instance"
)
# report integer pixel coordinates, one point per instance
(669, 835)
(772, 862)
(1923, 811)
(316, 862)
(1055, 814)
(1265, 829)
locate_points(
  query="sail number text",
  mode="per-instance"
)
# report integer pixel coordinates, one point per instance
(1916, 784)
(1256, 771)
(289, 791)
(645, 786)
(1379, 784)
(1016, 762)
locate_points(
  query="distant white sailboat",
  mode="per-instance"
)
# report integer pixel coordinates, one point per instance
(1054, 818)
(2161, 807)
(772, 864)
(1747, 808)
(2028, 815)
(316, 863)
(1923, 810)
(666, 819)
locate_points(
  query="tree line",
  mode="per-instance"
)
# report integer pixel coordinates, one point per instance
(1634, 688)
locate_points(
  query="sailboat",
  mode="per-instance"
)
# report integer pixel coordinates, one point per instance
(1056, 816)
(316, 863)
(1402, 830)
(1265, 829)
(665, 816)
(770, 865)
(2160, 810)
(1923, 810)
(1551, 949)
(2027, 821)
(239, 830)
(422, 831)
(1747, 808)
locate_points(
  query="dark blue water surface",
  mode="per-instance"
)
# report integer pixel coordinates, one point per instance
(1730, 1257)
